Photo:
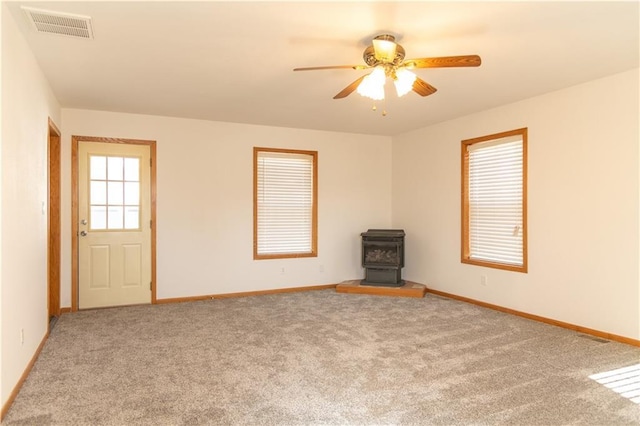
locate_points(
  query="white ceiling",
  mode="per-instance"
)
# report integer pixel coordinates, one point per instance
(233, 61)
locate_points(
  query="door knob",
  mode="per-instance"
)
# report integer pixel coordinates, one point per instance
(83, 233)
(83, 222)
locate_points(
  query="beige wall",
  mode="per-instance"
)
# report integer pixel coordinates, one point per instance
(27, 103)
(583, 206)
(205, 210)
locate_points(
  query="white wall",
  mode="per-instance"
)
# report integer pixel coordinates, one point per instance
(27, 103)
(205, 195)
(582, 206)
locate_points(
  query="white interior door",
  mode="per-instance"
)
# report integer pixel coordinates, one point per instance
(114, 211)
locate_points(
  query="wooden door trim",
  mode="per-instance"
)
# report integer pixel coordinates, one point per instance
(53, 220)
(75, 140)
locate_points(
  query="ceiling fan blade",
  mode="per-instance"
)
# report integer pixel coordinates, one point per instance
(332, 67)
(423, 88)
(349, 89)
(444, 62)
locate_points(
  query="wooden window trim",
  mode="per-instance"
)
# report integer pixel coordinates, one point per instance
(314, 211)
(465, 243)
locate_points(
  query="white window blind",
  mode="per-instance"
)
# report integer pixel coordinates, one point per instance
(284, 198)
(495, 201)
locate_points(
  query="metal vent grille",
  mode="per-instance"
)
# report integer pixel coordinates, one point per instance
(595, 339)
(66, 24)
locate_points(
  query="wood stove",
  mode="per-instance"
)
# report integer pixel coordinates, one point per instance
(383, 257)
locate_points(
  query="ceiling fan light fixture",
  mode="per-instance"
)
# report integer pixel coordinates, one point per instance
(372, 86)
(403, 81)
(386, 57)
(385, 48)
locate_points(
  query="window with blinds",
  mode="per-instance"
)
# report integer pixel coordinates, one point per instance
(285, 203)
(494, 200)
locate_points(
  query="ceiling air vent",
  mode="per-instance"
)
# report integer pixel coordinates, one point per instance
(66, 24)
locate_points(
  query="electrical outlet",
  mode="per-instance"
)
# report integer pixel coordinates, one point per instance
(22, 336)
(483, 280)
(321, 268)
(282, 270)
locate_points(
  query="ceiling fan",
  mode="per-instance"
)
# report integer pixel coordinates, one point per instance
(386, 57)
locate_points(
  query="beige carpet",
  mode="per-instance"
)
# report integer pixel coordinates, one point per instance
(319, 358)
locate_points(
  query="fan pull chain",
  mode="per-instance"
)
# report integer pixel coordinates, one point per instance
(384, 110)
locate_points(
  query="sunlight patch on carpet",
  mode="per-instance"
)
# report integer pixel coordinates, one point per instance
(625, 381)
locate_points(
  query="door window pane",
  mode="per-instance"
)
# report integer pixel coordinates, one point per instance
(115, 217)
(132, 169)
(116, 193)
(98, 167)
(131, 217)
(98, 192)
(115, 168)
(132, 193)
(98, 217)
(114, 184)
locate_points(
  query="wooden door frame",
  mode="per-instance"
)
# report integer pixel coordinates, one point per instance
(53, 220)
(75, 140)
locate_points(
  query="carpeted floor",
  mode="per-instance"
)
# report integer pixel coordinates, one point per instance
(319, 358)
